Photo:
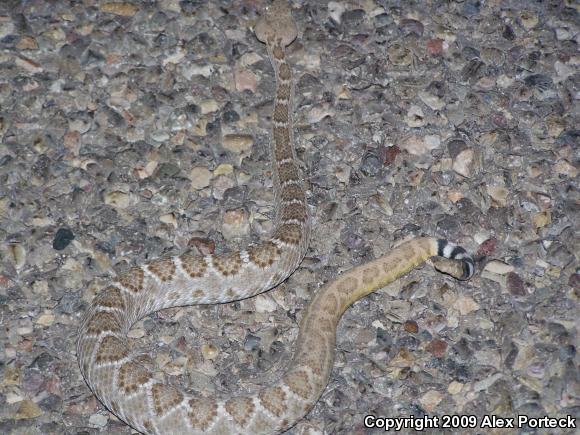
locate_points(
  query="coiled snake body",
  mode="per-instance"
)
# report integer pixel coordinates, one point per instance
(124, 381)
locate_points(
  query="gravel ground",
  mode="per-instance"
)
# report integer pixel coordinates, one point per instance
(134, 130)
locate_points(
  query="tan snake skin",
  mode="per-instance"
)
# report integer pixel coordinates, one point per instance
(125, 381)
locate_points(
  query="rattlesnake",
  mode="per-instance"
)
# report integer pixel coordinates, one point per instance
(125, 382)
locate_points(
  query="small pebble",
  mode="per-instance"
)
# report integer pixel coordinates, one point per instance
(118, 199)
(567, 353)
(17, 254)
(417, 145)
(370, 165)
(27, 410)
(98, 420)
(200, 177)
(208, 106)
(62, 238)
(455, 387)
(515, 284)
(430, 400)
(498, 267)
(411, 327)
(209, 351)
(437, 348)
(238, 143)
(465, 305)
(265, 304)
(120, 8)
(411, 27)
(467, 163)
(415, 117)
(245, 80)
(45, 319)
(235, 223)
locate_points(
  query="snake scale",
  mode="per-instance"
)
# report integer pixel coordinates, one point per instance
(125, 381)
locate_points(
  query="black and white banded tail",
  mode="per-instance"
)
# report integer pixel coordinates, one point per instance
(453, 252)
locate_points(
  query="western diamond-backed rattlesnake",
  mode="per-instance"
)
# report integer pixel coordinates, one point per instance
(124, 380)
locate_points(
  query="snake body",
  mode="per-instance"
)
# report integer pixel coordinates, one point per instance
(125, 381)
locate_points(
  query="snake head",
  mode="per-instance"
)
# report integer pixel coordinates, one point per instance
(277, 27)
